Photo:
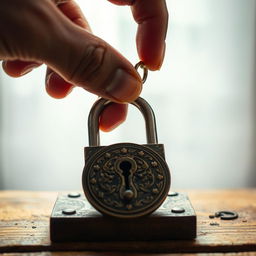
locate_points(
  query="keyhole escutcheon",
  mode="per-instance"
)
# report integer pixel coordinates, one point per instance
(126, 167)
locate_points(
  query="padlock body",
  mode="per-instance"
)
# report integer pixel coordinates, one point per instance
(126, 180)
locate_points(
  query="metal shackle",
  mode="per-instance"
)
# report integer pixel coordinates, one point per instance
(140, 103)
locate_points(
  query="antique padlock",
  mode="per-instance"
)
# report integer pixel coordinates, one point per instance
(125, 180)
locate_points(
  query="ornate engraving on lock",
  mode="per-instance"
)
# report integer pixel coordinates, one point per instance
(125, 180)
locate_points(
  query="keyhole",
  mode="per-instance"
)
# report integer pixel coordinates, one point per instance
(126, 166)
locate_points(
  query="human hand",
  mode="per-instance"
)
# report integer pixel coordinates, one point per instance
(36, 32)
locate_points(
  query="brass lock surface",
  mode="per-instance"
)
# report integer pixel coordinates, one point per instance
(125, 180)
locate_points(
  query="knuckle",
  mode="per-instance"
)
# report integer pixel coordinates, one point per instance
(89, 66)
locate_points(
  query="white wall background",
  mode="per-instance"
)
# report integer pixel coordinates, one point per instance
(204, 101)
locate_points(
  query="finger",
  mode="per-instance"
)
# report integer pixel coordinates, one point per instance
(17, 68)
(97, 67)
(56, 86)
(78, 56)
(83, 59)
(71, 10)
(112, 116)
(152, 18)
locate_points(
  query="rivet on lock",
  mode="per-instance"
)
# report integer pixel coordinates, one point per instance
(125, 180)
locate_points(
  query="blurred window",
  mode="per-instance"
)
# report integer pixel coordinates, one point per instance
(203, 99)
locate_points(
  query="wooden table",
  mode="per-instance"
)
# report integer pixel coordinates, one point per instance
(24, 227)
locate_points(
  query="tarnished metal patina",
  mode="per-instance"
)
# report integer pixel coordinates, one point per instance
(125, 180)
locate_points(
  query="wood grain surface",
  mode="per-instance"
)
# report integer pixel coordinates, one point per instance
(125, 254)
(24, 226)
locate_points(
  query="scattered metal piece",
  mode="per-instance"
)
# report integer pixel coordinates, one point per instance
(211, 216)
(226, 215)
(214, 224)
(74, 195)
(178, 210)
(173, 193)
(69, 211)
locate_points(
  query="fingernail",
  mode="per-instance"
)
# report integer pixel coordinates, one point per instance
(124, 87)
(28, 69)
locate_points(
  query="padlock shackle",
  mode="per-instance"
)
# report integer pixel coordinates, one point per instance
(140, 103)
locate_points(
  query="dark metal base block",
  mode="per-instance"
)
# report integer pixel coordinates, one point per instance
(74, 219)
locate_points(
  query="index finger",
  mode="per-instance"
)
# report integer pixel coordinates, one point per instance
(152, 18)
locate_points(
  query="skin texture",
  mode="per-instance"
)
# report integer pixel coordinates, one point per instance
(57, 34)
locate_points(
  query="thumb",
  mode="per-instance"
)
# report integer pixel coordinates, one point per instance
(87, 61)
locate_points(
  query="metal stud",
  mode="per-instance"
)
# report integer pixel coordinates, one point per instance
(69, 211)
(178, 210)
(173, 193)
(74, 195)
